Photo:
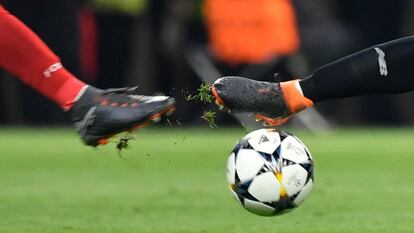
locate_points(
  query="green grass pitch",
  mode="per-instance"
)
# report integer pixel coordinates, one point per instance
(173, 181)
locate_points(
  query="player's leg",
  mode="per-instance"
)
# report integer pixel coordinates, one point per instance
(24, 55)
(97, 114)
(385, 68)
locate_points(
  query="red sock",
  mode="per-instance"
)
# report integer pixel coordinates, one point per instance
(24, 54)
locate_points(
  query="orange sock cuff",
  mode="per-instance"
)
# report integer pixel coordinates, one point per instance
(293, 96)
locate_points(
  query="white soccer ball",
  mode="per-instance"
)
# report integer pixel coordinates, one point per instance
(270, 172)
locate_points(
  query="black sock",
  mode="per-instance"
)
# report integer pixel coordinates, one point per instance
(365, 72)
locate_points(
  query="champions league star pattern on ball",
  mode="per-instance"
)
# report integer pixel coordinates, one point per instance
(270, 172)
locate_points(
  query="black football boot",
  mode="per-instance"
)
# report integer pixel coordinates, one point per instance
(101, 114)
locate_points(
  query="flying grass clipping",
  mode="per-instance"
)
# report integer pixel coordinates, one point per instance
(205, 96)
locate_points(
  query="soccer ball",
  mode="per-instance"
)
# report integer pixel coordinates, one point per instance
(270, 172)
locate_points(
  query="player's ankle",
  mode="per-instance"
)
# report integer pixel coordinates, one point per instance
(294, 98)
(68, 106)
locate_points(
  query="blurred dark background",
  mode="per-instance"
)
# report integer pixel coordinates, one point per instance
(169, 45)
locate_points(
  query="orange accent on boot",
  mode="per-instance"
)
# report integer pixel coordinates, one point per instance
(217, 97)
(272, 121)
(103, 141)
(294, 99)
